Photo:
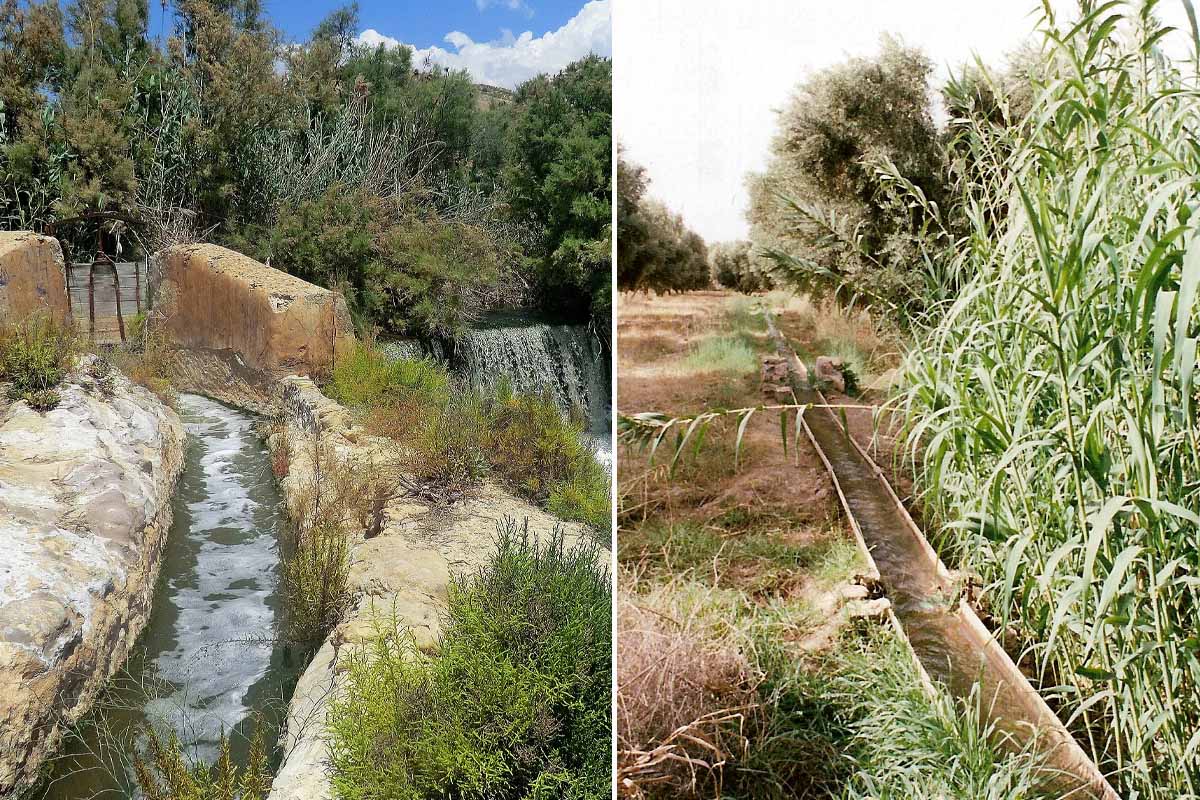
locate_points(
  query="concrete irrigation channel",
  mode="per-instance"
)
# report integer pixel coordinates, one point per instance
(944, 634)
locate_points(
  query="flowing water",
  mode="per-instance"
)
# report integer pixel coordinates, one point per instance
(568, 361)
(208, 662)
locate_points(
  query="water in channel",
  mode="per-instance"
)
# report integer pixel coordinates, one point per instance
(209, 661)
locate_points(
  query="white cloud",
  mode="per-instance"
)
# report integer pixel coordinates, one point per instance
(514, 59)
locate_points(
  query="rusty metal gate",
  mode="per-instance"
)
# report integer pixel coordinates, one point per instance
(105, 296)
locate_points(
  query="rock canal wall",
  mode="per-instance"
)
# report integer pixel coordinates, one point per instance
(32, 277)
(85, 505)
(210, 299)
(399, 577)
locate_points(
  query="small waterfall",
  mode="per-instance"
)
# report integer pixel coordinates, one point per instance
(566, 360)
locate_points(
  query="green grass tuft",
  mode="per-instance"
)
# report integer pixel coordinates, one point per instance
(724, 353)
(35, 358)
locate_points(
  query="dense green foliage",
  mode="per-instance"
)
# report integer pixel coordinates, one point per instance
(655, 250)
(514, 701)
(227, 133)
(401, 267)
(560, 177)
(735, 266)
(1053, 407)
(452, 437)
(827, 206)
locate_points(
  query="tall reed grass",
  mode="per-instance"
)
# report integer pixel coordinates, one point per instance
(1053, 407)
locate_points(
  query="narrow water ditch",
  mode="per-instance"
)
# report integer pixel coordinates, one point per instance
(946, 637)
(210, 661)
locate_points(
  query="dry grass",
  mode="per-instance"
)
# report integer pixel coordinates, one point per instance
(685, 703)
(147, 361)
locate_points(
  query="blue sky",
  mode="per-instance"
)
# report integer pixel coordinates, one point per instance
(502, 42)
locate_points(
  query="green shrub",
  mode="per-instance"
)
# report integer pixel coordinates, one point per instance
(363, 376)
(149, 361)
(584, 497)
(35, 357)
(401, 265)
(545, 459)
(165, 773)
(514, 703)
(135, 328)
(532, 447)
(336, 503)
(315, 579)
(448, 446)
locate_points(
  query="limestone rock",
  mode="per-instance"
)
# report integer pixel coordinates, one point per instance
(876, 610)
(304, 773)
(211, 298)
(400, 577)
(85, 505)
(32, 277)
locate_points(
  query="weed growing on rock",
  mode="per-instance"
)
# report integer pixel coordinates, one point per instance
(514, 702)
(165, 773)
(450, 438)
(147, 361)
(101, 373)
(335, 503)
(35, 357)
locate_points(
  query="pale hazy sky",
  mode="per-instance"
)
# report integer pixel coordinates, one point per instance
(696, 82)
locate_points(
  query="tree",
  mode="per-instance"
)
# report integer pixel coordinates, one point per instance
(226, 56)
(826, 206)
(399, 264)
(32, 53)
(735, 267)
(438, 103)
(559, 176)
(656, 251)
(98, 105)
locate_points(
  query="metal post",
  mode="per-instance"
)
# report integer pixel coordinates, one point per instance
(92, 302)
(117, 286)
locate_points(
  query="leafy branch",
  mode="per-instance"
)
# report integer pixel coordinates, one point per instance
(649, 429)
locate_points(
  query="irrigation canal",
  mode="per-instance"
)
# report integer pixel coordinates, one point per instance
(209, 661)
(946, 636)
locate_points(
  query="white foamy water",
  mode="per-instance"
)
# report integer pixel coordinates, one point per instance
(215, 640)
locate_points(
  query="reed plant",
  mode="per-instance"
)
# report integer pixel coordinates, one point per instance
(1052, 407)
